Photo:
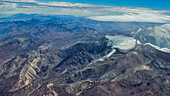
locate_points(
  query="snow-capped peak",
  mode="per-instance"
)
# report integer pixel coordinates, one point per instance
(157, 35)
(165, 26)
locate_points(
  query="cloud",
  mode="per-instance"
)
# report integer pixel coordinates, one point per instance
(7, 7)
(32, 3)
(19, 0)
(66, 4)
(135, 15)
(94, 12)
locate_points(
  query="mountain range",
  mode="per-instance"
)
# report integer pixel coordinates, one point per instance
(42, 55)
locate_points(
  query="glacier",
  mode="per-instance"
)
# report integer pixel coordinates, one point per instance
(121, 42)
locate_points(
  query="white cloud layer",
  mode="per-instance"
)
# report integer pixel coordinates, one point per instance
(66, 4)
(20, 0)
(7, 5)
(135, 15)
(94, 12)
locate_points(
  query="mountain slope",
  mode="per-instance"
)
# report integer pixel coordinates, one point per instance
(71, 72)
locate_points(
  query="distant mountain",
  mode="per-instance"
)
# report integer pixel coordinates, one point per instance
(157, 35)
(109, 27)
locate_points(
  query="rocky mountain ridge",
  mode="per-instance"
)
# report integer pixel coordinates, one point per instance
(72, 72)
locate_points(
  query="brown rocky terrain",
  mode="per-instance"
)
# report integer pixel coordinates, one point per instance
(70, 72)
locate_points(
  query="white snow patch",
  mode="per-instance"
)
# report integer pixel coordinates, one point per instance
(106, 56)
(135, 53)
(140, 29)
(121, 42)
(158, 48)
(138, 42)
(143, 67)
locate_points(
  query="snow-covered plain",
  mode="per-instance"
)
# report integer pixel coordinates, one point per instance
(121, 42)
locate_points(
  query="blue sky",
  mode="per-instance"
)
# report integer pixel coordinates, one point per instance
(102, 10)
(153, 4)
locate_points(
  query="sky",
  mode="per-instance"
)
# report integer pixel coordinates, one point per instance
(102, 10)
